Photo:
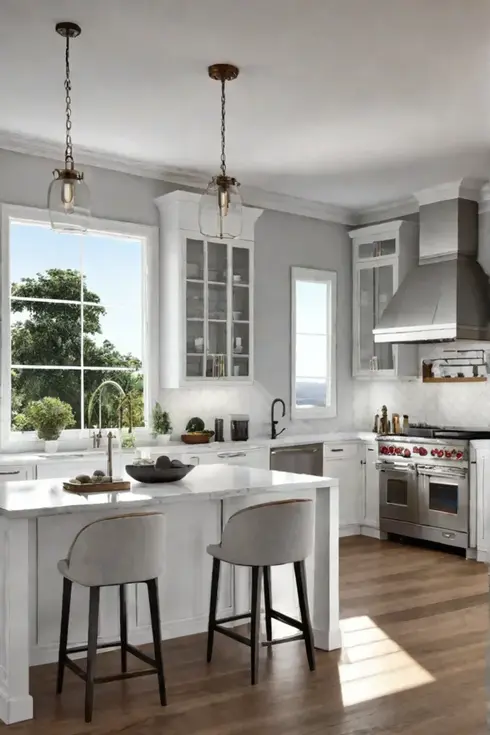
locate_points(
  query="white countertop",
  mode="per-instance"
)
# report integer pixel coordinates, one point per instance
(34, 498)
(174, 448)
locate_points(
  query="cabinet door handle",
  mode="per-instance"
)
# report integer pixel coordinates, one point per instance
(336, 450)
(370, 450)
(11, 472)
(224, 455)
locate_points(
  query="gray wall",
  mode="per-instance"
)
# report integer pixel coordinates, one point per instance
(282, 241)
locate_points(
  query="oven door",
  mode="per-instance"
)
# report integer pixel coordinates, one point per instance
(398, 491)
(444, 497)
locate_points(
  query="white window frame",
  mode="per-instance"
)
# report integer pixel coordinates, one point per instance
(150, 311)
(329, 278)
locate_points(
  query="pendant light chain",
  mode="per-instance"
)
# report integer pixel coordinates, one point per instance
(68, 145)
(223, 127)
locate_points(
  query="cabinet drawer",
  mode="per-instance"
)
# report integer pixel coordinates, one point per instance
(15, 472)
(340, 450)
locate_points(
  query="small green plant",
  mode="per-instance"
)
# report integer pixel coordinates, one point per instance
(195, 424)
(160, 421)
(128, 440)
(49, 416)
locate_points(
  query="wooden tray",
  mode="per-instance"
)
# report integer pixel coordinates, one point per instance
(116, 486)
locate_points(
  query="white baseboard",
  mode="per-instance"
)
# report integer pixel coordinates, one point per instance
(15, 709)
(349, 529)
(482, 555)
(137, 636)
(370, 531)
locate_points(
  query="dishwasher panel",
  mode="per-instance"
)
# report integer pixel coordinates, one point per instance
(303, 459)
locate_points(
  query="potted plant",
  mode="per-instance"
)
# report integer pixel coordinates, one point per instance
(49, 416)
(162, 428)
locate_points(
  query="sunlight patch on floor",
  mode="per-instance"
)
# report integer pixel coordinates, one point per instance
(373, 665)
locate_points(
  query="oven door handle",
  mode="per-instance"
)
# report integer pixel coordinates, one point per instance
(395, 467)
(427, 470)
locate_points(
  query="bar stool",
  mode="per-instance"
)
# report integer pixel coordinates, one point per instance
(113, 551)
(260, 537)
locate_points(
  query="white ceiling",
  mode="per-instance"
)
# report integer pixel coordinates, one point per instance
(351, 102)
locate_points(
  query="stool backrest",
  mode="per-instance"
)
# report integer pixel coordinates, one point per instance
(118, 550)
(270, 534)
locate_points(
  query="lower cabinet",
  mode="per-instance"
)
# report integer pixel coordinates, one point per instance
(257, 457)
(480, 503)
(16, 472)
(370, 514)
(343, 461)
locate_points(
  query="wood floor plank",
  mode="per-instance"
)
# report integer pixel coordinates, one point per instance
(415, 632)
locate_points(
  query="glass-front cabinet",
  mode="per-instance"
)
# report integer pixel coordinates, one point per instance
(382, 256)
(206, 298)
(217, 306)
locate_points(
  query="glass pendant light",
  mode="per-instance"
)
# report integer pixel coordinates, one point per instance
(220, 207)
(68, 194)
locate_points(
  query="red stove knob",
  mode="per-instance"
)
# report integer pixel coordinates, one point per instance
(448, 454)
(415, 450)
(422, 451)
(459, 455)
(391, 450)
(434, 452)
(440, 453)
(384, 450)
(407, 453)
(398, 450)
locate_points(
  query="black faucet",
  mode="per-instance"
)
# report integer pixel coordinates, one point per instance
(274, 423)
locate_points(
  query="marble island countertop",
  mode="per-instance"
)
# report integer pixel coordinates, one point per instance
(33, 498)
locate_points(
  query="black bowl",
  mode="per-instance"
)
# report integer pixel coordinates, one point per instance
(148, 473)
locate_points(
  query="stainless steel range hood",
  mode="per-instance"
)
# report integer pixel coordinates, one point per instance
(447, 296)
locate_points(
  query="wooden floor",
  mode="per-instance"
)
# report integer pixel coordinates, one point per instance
(415, 626)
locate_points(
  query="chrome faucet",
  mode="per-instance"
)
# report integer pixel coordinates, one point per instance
(274, 422)
(110, 437)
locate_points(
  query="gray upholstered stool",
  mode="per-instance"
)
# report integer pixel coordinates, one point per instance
(260, 537)
(113, 551)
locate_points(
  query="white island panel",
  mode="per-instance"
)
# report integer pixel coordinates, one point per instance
(38, 522)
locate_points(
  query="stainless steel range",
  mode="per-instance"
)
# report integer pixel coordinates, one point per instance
(424, 485)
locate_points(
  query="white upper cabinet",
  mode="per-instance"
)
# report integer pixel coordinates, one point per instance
(382, 256)
(206, 297)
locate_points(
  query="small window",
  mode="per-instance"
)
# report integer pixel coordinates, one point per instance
(313, 320)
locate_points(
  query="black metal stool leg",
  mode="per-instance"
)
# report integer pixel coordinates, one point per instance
(93, 630)
(300, 574)
(157, 636)
(123, 626)
(268, 602)
(255, 622)
(65, 621)
(213, 604)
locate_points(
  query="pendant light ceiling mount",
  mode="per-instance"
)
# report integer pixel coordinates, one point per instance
(67, 29)
(220, 208)
(68, 195)
(223, 72)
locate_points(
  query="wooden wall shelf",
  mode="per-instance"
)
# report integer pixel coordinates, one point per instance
(479, 379)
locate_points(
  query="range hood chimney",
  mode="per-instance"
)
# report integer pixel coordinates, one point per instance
(447, 296)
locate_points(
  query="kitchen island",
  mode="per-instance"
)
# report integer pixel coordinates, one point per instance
(38, 521)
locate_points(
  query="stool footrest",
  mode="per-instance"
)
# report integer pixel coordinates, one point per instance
(287, 639)
(231, 618)
(232, 634)
(139, 654)
(80, 649)
(282, 618)
(125, 675)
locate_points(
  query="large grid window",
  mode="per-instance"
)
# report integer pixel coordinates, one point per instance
(313, 384)
(76, 320)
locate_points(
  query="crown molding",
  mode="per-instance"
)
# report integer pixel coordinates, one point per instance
(467, 188)
(391, 210)
(253, 196)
